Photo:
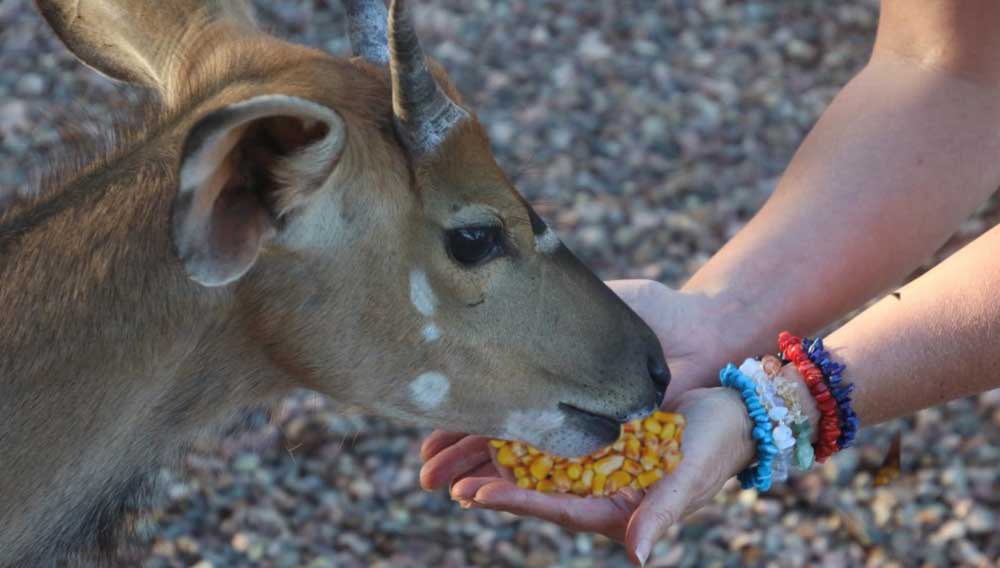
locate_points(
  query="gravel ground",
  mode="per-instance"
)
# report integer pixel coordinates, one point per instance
(652, 131)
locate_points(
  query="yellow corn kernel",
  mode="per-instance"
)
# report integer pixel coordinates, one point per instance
(647, 450)
(574, 471)
(506, 457)
(632, 467)
(632, 448)
(546, 486)
(562, 481)
(608, 465)
(541, 467)
(648, 478)
(649, 460)
(617, 480)
(599, 481)
(668, 432)
(669, 417)
(651, 425)
(670, 462)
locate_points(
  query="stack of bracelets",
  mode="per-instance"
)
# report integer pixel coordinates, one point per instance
(781, 430)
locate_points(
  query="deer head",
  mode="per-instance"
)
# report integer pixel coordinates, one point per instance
(351, 222)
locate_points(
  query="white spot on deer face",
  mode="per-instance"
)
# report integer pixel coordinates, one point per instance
(529, 424)
(548, 242)
(429, 390)
(421, 294)
(431, 333)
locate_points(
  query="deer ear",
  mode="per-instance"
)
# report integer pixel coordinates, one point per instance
(137, 41)
(243, 168)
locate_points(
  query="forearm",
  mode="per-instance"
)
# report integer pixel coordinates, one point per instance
(938, 341)
(900, 158)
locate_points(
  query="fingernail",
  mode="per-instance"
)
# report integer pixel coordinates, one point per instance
(465, 503)
(642, 552)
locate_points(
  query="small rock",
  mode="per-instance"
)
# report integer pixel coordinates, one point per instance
(592, 46)
(359, 545)
(800, 51)
(951, 530)
(247, 463)
(981, 520)
(31, 84)
(361, 488)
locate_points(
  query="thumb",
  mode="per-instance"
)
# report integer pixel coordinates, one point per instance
(661, 508)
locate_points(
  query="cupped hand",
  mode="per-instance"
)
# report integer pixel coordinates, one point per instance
(681, 322)
(716, 446)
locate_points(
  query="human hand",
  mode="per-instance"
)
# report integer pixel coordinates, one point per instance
(690, 346)
(716, 445)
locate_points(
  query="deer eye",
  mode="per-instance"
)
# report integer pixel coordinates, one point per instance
(472, 246)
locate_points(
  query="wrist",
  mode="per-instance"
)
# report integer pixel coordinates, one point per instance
(731, 326)
(745, 451)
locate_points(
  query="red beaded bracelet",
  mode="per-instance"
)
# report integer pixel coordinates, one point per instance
(829, 422)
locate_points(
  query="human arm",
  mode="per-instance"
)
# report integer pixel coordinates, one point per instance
(938, 341)
(905, 152)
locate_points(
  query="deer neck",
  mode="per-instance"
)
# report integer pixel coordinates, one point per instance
(111, 357)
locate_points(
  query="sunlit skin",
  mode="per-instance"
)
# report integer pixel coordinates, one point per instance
(901, 157)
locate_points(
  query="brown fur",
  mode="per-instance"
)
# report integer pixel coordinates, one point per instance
(114, 360)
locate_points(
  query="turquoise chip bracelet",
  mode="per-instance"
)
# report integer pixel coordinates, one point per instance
(759, 475)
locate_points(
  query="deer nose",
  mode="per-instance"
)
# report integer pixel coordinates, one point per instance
(660, 375)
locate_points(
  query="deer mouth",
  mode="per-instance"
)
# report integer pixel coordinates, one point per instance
(600, 426)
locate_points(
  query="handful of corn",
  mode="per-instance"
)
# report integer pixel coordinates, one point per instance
(647, 449)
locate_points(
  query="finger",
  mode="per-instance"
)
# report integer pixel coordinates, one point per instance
(466, 488)
(465, 455)
(437, 441)
(487, 470)
(608, 516)
(663, 506)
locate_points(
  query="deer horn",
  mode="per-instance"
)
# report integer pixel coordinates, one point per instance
(366, 21)
(423, 112)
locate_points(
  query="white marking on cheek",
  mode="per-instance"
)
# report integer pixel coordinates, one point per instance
(548, 242)
(429, 390)
(532, 424)
(431, 333)
(421, 294)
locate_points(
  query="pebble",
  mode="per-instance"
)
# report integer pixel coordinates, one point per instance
(30, 84)
(981, 520)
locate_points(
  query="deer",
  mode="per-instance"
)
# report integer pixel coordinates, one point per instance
(280, 218)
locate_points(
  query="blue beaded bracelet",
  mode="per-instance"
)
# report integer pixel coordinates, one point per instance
(759, 475)
(841, 393)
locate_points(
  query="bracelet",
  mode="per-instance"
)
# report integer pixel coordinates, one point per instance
(841, 392)
(803, 455)
(829, 423)
(758, 476)
(777, 411)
